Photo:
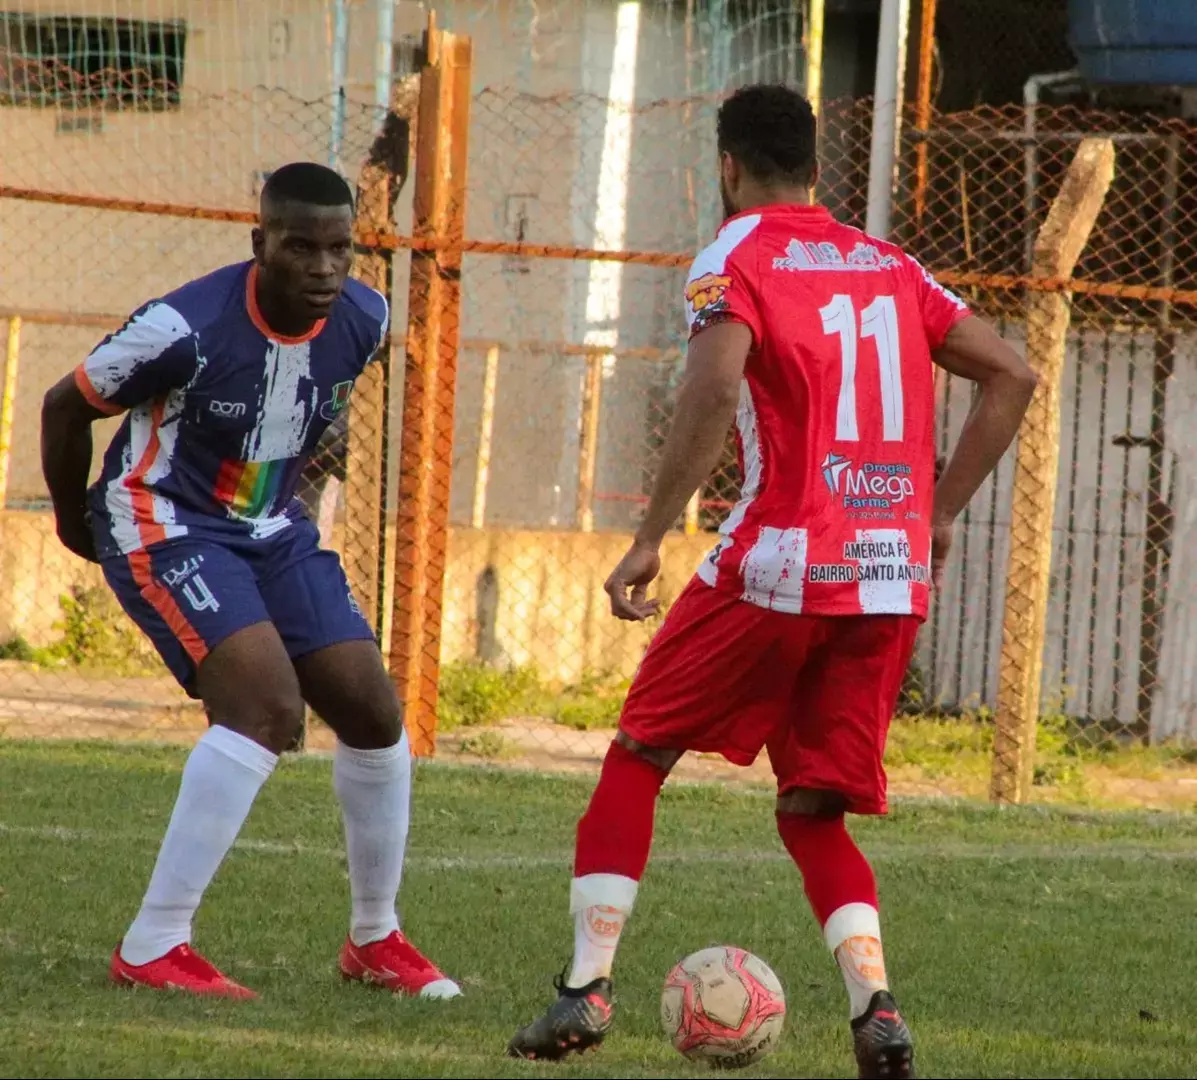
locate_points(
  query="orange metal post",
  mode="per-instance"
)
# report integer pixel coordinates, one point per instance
(434, 319)
(923, 106)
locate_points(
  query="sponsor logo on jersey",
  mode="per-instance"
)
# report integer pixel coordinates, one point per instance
(705, 294)
(176, 575)
(873, 485)
(230, 410)
(338, 400)
(825, 255)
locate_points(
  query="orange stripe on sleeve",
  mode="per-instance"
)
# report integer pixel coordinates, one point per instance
(87, 389)
(158, 596)
(143, 499)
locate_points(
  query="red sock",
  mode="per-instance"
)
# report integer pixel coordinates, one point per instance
(616, 832)
(834, 870)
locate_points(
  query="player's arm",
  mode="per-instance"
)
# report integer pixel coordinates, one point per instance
(67, 417)
(724, 321)
(706, 406)
(973, 350)
(136, 364)
(966, 346)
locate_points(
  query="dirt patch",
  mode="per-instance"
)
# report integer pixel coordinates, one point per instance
(68, 704)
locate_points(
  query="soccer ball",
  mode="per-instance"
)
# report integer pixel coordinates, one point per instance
(724, 1007)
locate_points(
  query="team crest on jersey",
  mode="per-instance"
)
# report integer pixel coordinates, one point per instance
(705, 294)
(338, 400)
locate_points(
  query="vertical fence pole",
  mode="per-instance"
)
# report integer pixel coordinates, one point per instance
(365, 466)
(486, 432)
(1024, 624)
(434, 320)
(340, 61)
(812, 40)
(888, 87)
(812, 33)
(1160, 514)
(923, 107)
(592, 405)
(12, 357)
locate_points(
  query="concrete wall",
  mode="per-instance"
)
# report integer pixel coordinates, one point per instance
(548, 606)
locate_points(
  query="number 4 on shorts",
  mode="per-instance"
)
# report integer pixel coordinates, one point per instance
(199, 596)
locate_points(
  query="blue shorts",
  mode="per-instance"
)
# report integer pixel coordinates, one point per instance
(188, 595)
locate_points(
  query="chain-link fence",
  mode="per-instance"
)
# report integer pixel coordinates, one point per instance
(548, 484)
(484, 484)
(88, 237)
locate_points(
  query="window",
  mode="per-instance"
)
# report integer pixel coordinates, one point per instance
(74, 61)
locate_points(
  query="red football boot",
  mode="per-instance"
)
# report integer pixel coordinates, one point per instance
(179, 969)
(395, 963)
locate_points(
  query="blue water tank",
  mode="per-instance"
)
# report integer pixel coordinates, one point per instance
(1145, 42)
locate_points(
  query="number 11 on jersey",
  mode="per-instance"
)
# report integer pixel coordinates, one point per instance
(878, 321)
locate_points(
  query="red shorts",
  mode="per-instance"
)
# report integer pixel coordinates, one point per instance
(729, 677)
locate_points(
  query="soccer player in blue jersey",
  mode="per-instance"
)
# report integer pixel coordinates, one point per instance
(227, 385)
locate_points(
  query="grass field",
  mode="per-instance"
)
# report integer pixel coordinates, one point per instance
(1023, 944)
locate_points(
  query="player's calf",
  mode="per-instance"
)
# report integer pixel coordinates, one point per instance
(614, 838)
(842, 891)
(349, 688)
(249, 689)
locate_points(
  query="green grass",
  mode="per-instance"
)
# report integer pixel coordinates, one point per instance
(94, 633)
(1022, 943)
(473, 694)
(950, 754)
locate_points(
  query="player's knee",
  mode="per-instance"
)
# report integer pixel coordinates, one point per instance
(664, 759)
(380, 726)
(812, 802)
(368, 722)
(273, 720)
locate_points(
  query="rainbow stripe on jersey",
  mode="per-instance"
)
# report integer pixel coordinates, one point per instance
(249, 488)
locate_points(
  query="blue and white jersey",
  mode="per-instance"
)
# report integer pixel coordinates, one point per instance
(222, 411)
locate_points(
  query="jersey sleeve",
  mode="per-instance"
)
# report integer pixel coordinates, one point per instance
(722, 291)
(382, 314)
(940, 308)
(373, 328)
(141, 361)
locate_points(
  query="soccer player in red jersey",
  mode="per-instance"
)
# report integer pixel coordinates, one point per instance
(227, 385)
(820, 342)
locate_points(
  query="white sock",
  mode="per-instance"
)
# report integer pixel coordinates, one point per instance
(221, 779)
(853, 934)
(600, 905)
(374, 787)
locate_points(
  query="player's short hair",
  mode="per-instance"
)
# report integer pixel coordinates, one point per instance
(770, 130)
(305, 182)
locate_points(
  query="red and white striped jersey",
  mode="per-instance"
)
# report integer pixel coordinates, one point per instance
(836, 421)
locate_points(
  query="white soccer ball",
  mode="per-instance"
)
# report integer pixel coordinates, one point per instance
(723, 1006)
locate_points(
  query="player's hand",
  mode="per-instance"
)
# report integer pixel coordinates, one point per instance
(74, 530)
(941, 544)
(636, 571)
